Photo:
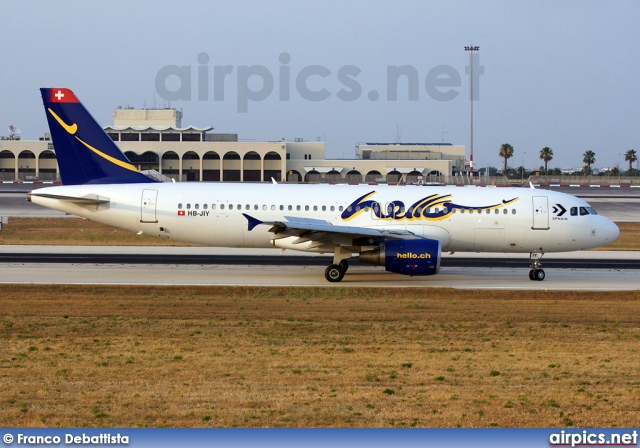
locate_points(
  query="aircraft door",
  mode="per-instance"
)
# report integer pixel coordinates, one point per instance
(540, 213)
(148, 206)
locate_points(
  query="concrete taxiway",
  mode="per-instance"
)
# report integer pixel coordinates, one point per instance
(508, 271)
(458, 278)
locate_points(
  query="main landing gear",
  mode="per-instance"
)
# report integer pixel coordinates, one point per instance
(335, 272)
(536, 273)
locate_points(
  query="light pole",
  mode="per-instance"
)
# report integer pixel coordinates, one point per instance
(471, 49)
(523, 154)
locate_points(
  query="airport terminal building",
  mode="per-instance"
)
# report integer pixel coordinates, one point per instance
(154, 139)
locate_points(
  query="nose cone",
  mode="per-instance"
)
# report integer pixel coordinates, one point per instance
(610, 232)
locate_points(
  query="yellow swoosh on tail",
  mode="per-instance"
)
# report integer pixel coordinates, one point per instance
(70, 129)
(109, 158)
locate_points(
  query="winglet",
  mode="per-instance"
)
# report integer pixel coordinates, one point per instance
(252, 221)
(273, 181)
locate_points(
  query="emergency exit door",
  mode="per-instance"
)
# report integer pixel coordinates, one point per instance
(540, 213)
(148, 206)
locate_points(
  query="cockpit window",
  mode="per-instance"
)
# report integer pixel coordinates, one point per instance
(592, 210)
(583, 211)
(574, 211)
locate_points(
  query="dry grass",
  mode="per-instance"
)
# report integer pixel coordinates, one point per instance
(74, 232)
(80, 232)
(235, 357)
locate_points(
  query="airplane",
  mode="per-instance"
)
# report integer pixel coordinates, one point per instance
(405, 229)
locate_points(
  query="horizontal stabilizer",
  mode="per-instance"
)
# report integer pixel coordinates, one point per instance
(89, 199)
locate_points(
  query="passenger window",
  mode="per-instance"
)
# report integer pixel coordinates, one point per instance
(205, 206)
(213, 206)
(324, 208)
(297, 208)
(247, 207)
(290, 207)
(505, 211)
(239, 206)
(255, 206)
(462, 211)
(332, 208)
(583, 211)
(188, 206)
(180, 206)
(230, 206)
(453, 211)
(574, 211)
(273, 208)
(306, 208)
(340, 208)
(513, 212)
(497, 211)
(264, 207)
(488, 212)
(281, 207)
(221, 206)
(418, 211)
(315, 208)
(471, 211)
(349, 208)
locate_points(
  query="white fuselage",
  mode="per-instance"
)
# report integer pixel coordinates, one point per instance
(461, 218)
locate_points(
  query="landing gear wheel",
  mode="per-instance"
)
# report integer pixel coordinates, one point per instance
(334, 273)
(536, 273)
(344, 264)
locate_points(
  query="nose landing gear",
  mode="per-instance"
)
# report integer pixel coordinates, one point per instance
(536, 273)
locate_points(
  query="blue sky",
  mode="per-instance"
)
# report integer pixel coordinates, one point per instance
(558, 74)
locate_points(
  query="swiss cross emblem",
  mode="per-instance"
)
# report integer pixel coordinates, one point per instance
(180, 212)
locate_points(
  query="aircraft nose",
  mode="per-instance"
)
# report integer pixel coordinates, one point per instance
(611, 232)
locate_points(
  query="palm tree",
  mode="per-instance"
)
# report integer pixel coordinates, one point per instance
(630, 156)
(546, 154)
(589, 157)
(506, 152)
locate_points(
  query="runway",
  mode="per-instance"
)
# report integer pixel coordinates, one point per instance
(235, 267)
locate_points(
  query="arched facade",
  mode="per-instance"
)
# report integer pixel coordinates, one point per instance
(373, 176)
(231, 167)
(27, 165)
(414, 177)
(251, 167)
(171, 165)
(211, 167)
(191, 166)
(353, 177)
(333, 177)
(313, 177)
(273, 166)
(294, 177)
(394, 177)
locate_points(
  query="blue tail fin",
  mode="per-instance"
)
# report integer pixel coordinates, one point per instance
(85, 153)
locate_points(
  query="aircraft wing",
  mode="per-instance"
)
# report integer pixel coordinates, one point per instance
(308, 229)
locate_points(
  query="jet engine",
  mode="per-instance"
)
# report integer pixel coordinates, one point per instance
(410, 257)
